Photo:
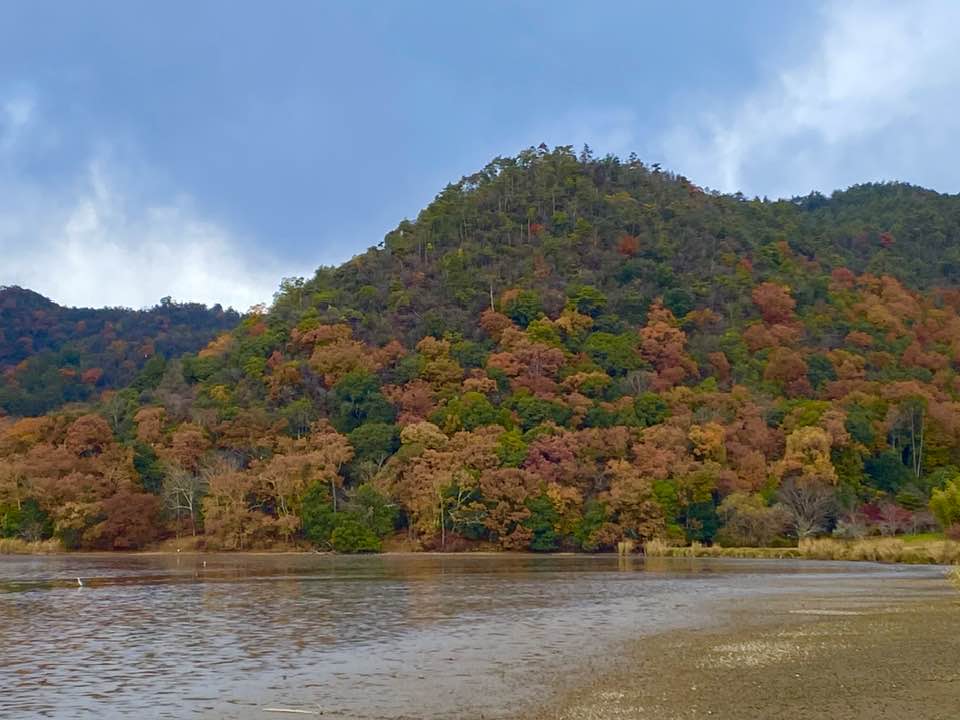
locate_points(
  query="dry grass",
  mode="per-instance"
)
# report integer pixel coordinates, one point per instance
(16, 546)
(660, 548)
(657, 548)
(887, 550)
(954, 576)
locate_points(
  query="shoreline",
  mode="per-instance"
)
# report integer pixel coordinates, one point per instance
(788, 656)
(678, 553)
(889, 551)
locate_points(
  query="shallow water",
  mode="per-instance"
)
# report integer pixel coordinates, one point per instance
(423, 636)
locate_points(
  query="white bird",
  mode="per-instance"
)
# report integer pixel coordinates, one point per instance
(79, 582)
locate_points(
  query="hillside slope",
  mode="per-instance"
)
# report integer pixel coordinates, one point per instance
(51, 355)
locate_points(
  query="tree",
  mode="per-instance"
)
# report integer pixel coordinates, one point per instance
(810, 504)
(663, 345)
(632, 502)
(615, 353)
(228, 516)
(27, 521)
(774, 302)
(183, 492)
(587, 299)
(358, 400)
(541, 522)
(907, 424)
(88, 436)
(187, 446)
(130, 522)
(373, 444)
(505, 494)
(749, 522)
(372, 510)
(807, 457)
(317, 517)
(945, 503)
(521, 306)
(887, 471)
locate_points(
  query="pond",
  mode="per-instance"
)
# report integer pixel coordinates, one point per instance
(389, 636)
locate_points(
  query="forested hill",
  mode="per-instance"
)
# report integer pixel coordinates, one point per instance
(51, 355)
(560, 352)
(545, 220)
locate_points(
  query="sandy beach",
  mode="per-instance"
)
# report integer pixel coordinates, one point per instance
(841, 657)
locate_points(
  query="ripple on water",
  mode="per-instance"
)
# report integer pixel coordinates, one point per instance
(372, 637)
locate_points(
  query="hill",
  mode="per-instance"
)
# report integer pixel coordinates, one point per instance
(51, 355)
(560, 352)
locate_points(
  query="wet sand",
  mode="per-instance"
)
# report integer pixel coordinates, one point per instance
(799, 657)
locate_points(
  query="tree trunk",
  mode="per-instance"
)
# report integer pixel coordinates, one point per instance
(443, 528)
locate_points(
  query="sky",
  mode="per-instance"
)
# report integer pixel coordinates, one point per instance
(206, 150)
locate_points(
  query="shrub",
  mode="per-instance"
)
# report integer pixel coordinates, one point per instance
(351, 536)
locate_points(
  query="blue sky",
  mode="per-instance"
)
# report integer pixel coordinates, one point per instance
(205, 150)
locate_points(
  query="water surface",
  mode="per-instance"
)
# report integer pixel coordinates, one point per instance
(385, 637)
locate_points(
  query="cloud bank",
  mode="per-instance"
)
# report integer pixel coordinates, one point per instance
(875, 97)
(99, 237)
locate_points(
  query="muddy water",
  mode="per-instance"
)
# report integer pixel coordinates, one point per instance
(227, 636)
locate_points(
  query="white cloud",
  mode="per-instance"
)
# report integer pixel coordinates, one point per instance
(875, 98)
(98, 239)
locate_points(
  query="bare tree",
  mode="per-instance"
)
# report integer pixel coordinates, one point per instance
(809, 503)
(182, 492)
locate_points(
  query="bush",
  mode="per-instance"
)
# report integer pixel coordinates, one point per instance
(351, 536)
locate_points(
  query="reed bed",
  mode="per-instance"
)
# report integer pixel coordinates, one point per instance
(16, 546)
(885, 550)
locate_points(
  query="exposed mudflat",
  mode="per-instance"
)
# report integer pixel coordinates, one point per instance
(788, 657)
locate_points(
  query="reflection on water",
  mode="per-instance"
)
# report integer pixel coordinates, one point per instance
(223, 636)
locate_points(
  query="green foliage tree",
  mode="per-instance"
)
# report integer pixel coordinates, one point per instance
(945, 503)
(615, 353)
(358, 400)
(317, 516)
(542, 522)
